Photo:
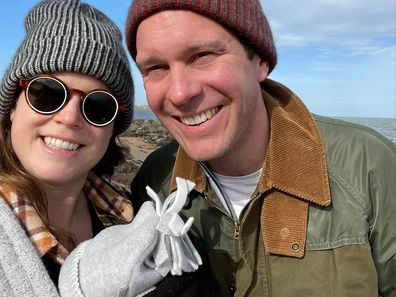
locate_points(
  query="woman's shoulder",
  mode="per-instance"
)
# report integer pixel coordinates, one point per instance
(25, 274)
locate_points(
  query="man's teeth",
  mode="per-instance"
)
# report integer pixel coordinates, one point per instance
(61, 144)
(201, 118)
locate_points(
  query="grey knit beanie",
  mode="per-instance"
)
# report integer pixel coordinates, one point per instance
(67, 35)
(243, 17)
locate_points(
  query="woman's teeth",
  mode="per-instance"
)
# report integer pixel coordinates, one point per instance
(201, 118)
(61, 144)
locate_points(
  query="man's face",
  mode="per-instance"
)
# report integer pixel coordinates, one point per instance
(201, 84)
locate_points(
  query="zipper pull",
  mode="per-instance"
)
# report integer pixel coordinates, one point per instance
(237, 229)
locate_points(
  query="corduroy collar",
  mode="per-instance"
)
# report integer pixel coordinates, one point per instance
(295, 162)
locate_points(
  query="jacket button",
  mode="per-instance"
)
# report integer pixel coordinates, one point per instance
(231, 289)
(284, 233)
(295, 246)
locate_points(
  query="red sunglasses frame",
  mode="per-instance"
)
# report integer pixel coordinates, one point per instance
(24, 83)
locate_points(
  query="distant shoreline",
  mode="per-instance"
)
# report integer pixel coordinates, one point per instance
(385, 126)
(146, 107)
(142, 107)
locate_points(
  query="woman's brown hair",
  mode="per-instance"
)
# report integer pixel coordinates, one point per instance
(14, 175)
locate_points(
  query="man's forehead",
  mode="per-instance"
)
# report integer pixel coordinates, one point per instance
(173, 30)
(180, 22)
(173, 15)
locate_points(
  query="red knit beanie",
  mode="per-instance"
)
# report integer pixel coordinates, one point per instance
(244, 17)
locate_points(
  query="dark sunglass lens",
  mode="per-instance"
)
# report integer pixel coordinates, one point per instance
(46, 95)
(100, 108)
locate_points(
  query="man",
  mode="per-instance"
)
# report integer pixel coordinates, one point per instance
(285, 203)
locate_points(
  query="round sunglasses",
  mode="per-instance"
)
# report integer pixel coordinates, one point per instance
(47, 95)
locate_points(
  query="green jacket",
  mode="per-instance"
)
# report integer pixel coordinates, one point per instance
(322, 221)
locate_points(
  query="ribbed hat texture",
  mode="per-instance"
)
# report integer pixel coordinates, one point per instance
(243, 17)
(67, 35)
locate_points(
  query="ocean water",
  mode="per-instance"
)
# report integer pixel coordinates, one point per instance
(144, 114)
(385, 126)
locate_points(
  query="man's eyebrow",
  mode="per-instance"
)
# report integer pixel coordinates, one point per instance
(210, 45)
(214, 45)
(144, 62)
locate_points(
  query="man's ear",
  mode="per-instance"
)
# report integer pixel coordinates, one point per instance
(263, 70)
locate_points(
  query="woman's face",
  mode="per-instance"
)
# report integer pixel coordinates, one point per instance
(63, 147)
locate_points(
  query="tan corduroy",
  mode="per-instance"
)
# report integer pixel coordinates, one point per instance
(287, 187)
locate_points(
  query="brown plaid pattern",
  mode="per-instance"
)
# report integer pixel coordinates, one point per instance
(109, 198)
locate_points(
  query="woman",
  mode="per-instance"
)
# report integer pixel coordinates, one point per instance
(64, 99)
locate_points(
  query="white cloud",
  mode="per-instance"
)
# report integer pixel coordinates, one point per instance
(330, 22)
(386, 51)
(338, 55)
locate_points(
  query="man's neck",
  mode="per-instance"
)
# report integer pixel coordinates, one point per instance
(250, 155)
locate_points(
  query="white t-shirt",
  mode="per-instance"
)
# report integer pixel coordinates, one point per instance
(238, 189)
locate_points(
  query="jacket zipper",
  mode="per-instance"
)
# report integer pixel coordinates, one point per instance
(237, 224)
(218, 208)
(235, 220)
(237, 230)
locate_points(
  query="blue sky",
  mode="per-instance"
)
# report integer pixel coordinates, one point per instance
(338, 56)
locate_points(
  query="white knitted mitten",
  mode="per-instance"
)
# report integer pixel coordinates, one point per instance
(129, 260)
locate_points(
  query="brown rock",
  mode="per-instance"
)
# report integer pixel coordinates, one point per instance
(141, 139)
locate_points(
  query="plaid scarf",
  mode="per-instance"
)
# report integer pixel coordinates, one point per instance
(110, 201)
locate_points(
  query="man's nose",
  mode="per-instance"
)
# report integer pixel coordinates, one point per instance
(184, 85)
